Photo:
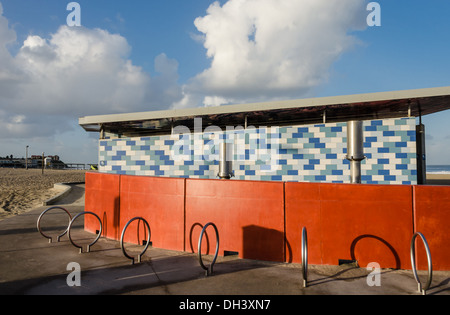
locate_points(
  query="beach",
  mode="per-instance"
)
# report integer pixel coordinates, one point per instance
(23, 190)
(438, 179)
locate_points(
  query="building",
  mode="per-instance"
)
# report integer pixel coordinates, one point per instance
(35, 161)
(302, 140)
(294, 161)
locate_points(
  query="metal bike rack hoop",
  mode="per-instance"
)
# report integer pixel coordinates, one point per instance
(123, 235)
(305, 256)
(421, 289)
(209, 270)
(98, 236)
(39, 223)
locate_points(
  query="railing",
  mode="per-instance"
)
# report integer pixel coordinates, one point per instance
(39, 223)
(123, 236)
(98, 236)
(209, 270)
(421, 289)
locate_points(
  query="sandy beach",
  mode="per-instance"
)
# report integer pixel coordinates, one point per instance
(438, 179)
(23, 190)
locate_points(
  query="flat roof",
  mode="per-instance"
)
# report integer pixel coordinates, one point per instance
(382, 105)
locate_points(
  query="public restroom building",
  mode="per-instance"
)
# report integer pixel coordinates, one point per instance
(290, 165)
(305, 140)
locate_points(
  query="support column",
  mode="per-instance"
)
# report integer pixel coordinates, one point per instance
(355, 149)
(421, 155)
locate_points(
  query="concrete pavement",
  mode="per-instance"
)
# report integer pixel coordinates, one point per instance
(30, 265)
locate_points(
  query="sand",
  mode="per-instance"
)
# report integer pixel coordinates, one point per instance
(438, 179)
(23, 190)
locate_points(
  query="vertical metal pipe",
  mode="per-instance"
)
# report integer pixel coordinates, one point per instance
(226, 161)
(421, 155)
(355, 149)
(355, 172)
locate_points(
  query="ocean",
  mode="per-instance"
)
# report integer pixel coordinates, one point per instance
(438, 169)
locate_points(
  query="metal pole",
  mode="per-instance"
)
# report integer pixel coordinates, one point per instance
(26, 158)
(421, 155)
(355, 149)
(226, 161)
(43, 156)
(305, 257)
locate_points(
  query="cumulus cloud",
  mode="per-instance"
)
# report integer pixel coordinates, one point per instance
(9, 74)
(271, 49)
(259, 50)
(75, 72)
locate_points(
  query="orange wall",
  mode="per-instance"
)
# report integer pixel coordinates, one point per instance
(160, 201)
(303, 210)
(367, 223)
(264, 220)
(102, 196)
(249, 216)
(432, 219)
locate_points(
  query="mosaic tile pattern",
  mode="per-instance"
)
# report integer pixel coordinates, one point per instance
(314, 153)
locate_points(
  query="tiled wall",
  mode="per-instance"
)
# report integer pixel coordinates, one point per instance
(314, 153)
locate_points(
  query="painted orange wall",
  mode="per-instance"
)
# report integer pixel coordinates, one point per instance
(432, 219)
(264, 220)
(160, 201)
(102, 196)
(303, 210)
(367, 223)
(248, 214)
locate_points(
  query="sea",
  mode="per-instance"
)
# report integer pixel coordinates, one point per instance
(438, 169)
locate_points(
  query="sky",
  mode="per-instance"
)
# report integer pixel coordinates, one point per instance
(132, 56)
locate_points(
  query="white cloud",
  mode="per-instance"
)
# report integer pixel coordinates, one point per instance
(267, 49)
(80, 71)
(259, 50)
(75, 72)
(52, 81)
(9, 74)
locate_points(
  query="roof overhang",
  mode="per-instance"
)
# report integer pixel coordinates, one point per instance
(384, 105)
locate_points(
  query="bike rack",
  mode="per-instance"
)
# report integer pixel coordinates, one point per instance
(305, 256)
(209, 270)
(39, 223)
(123, 234)
(421, 289)
(99, 233)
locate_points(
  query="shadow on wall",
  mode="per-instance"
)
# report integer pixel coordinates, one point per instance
(382, 250)
(196, 229)
(137, 233)
(116, 217)
(116, 232)
(258, 243)
(262, 243)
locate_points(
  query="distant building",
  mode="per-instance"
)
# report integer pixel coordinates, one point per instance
(35, 161)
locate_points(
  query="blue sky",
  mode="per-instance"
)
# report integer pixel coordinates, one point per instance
(161, 44)
(150, 27)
